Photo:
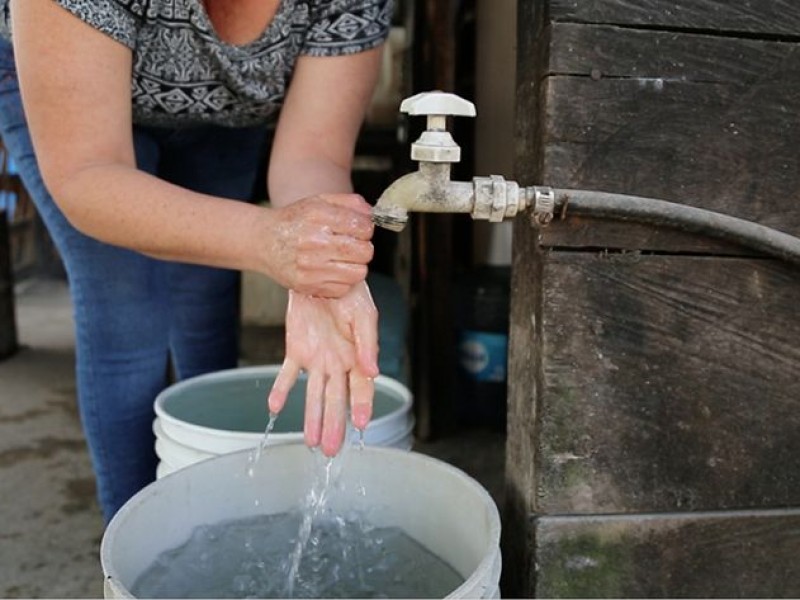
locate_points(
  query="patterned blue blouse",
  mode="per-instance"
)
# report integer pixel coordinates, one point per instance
(184, 74)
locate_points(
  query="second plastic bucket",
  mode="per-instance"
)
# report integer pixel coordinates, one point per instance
(223, 412)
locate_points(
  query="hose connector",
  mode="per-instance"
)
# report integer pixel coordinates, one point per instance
(542, 203)
(496, 199)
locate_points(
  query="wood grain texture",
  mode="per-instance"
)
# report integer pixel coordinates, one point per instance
(524, 353)
(771, 17)
(525, 378)
(597, 234)
(610, 51)
(650, 381)
(695, 555)
(689, 118)
(668, 383)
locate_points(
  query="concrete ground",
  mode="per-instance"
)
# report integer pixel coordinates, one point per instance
(50, 524)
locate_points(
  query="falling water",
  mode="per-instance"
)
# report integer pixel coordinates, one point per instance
(254, 457)
(312, 506)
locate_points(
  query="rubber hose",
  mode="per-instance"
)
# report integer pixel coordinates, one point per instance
(679, 216)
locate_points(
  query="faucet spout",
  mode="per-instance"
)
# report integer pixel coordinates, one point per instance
(391, 210)
(428, 189)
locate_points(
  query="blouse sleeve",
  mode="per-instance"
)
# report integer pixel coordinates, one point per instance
(119, 19)
(347, 26)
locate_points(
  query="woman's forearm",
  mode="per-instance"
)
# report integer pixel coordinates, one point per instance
(318, 246)
(120, 205)
(292, 180)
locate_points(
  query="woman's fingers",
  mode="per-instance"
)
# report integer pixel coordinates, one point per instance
(315, 398)
(336, 342)
(361, 227)
(330, 269)
(284, 382)
(327, 399)
(365, 332)
(362, 392)
(323, 250)
(345, 249)
(319, 244)
(335, 415)
(343, 214)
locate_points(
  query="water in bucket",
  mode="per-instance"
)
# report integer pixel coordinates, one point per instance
(248, 558)
(311, 552)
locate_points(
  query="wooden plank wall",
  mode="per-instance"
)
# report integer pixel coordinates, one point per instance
(701, 555)
(654, 426)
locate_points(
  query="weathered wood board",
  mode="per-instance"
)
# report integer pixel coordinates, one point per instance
(742, 554)
(667, 383)
(524, 375)
(655, 374)
(769, 17)
(644, 384)
(591, 234)
(695, 119)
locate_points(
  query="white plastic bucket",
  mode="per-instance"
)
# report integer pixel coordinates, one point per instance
(226, 411)
(435, 503)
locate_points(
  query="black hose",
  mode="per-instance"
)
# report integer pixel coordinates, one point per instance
(679, 216)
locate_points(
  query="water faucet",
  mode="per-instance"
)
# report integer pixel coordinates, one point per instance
(429, 188)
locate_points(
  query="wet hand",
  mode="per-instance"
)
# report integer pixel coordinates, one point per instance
(336, 341)
(320, 246)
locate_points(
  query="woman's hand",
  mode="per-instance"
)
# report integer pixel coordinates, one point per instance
(320, 246)
(336, 342)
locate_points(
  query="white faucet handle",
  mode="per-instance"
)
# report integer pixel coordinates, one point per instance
(437, 103)
(436, 145)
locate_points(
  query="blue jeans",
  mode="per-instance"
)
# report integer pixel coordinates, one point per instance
(133, 313)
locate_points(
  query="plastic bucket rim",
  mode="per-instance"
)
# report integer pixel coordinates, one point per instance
(165, 442)
(166, 453)
(491, 551)
(275, 438)
(168, 448)
(402, 391)
(162, 435)
(396, 436)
